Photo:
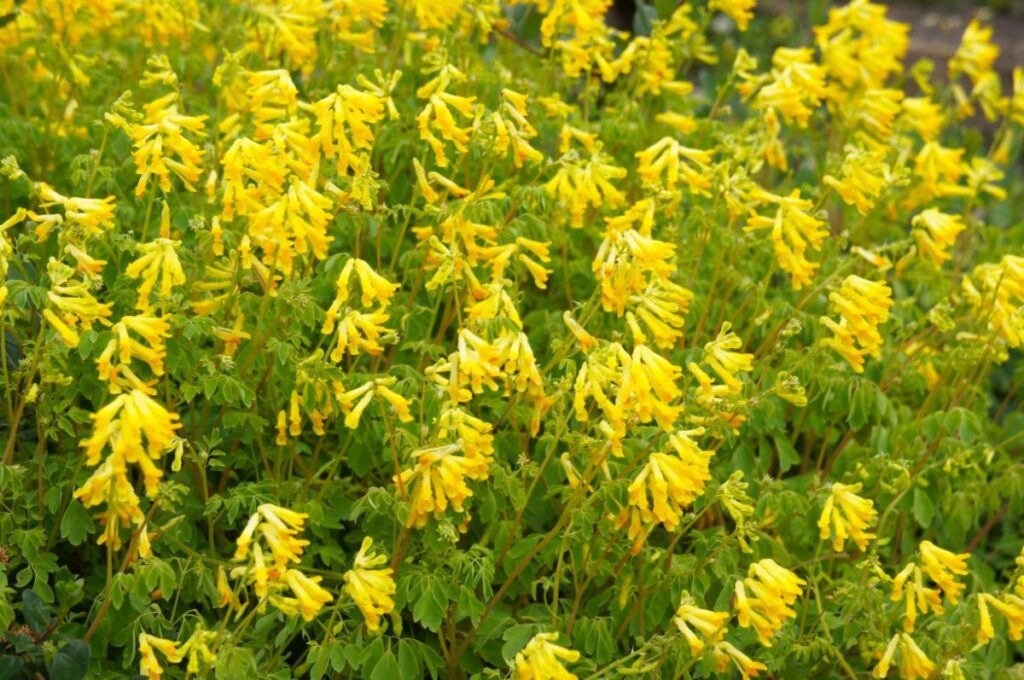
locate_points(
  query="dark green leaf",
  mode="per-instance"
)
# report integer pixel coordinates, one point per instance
(71, 662)
(35, 611)
(924, 509)
(76, 524)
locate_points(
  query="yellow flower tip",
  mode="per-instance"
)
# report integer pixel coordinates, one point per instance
(542, 658)
(370, 586)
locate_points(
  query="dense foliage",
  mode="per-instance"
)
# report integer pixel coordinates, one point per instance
(447, 338)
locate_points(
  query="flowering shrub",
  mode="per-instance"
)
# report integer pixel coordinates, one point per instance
(394, 338)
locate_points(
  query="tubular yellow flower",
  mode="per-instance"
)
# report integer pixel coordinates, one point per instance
(724, 651)
(345, 119)
(579, 187)
(941, 566)
(847, 515)
(882, 669)
(976, 54)
(710, 624)
(672, 484)
(1011, 606)
(670, 160)
(773, 589)
(796, 87)
(438, 480)
(913, 662)
(864, 306)
(986, 631)
(936, 233)
(307, 591)
(159, 262)
(122, 348)
(864, 176)
(860, 46)
(542, 659)
(66, 333)
(369, 586)
(793, 232)
(918, 597)
(923, 116)
(149, 663)
(161, 147)
(996, 293)
(721, 356)
(740, 11)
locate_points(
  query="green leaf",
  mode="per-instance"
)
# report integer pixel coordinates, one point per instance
(35, 611)
(408, 661)
(386, 668)
(924, 509)
(76, 524)
(71, 662)
(11, 667)
(236, 662)
(516, 638)
(643, 20)
(788, 457)
(430, 606)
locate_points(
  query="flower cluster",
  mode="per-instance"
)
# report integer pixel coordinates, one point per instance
(515, 342)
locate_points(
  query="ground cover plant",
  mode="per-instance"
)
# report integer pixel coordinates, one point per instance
(408, 338)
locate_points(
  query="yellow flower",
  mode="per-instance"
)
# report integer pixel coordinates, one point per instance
(1012, 608)
(923, 116)
(149, 663)
(996, 293)
(788, 387)
(721, 356)
(581, 186)
(122, 424)
(918, 596)
(864, 306)
(773, 589)
(672, 483)
(345, 120)
(882, 669)
(913, 662)
(847, 515)
(542, 659)
(73, 298)
(976, 54)
(986, 631)
(740, 11)
(161, 146)
(438, 479)
(864, 177)
(369, 586)
(796, 87)
(364, 394)
(662, 308)
(586, 340)
(66, 333)
(293, 223)
(939, 170)
(159, 262)
(710, 624)
(860, 46)
(941, 566)
(94, 215)
(669, 161)
(793, 232)
(122, 348)
(748, 668)
(307, 591)
(936, 233)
